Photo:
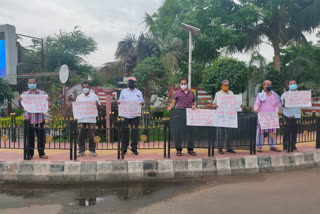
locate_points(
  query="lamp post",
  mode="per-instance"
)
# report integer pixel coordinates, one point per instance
(192, 31)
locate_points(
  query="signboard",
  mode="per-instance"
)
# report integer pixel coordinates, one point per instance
(129, 108)
(298, 99)
(64, 74)
(199, 117)
(268, 120)
(229, 102)
(85, 109)
(35, 103)
(204, 117)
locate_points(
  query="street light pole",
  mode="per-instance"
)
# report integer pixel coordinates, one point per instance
(190, 60)
(195, 31)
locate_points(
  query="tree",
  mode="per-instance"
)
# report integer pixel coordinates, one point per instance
(282, 22)
(152, 78)
(225, 69)
(5, 91)
(127, 53)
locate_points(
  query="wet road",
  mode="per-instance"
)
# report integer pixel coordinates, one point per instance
(291, 192)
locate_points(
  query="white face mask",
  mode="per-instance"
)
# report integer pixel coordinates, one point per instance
(86, 90)
(183, 87)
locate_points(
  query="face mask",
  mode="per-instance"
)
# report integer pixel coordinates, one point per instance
(293, 87)
(86, 90)
(131, 84)
(183, 87)
(269, 88)
(225, 88)
(32, 86)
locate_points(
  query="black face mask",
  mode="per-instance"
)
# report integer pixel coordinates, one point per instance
(131, 84)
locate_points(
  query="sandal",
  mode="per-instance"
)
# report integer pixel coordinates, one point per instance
(179, 153)
(44, 157)
(192, 153)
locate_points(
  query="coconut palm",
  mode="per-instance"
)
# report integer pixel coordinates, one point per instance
(127, 53)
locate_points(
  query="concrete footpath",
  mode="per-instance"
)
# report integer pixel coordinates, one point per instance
(149, 164)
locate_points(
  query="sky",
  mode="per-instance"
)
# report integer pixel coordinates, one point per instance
(107, 21)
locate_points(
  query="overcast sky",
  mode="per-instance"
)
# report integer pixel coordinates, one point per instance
(107, 21)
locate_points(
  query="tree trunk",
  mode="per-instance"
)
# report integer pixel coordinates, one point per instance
(276, 48)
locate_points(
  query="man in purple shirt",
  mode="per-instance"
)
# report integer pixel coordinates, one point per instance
(182, 99)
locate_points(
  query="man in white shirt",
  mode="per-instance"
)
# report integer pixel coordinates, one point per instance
(87, 126)
(131, 94)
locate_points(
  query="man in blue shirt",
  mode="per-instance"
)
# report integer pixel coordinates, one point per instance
(131, 94)
(290, 113)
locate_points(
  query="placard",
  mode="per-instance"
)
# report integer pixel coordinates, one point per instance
(229, 102)
(129, 108)
(268, 120)
(199, 117)
(205, 117)
(35, 103)
(227, 119)
(298, 99)
(86, 109)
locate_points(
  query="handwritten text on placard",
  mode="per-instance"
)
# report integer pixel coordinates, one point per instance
(35, 103)
(86, 109)
(298, 99)
(229, 102)
(129, 109)
(268, 120)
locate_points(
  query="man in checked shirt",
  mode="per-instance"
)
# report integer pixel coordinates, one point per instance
(36, 123)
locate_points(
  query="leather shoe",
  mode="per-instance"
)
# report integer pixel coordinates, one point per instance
(220, 151)
(135, 152)
(231, 151)
(275, 149)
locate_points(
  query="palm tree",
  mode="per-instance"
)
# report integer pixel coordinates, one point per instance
(127, 53)
(282, 22)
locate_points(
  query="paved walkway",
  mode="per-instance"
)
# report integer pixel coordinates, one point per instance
(144, 154)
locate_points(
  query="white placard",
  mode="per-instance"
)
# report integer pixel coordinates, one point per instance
(268, 120)
(298, 99)
(229, 102)
(86, 109)
(35, 103)
(129, 108)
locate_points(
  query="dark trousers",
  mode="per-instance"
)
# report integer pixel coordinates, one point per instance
(41, 136)
(290, 131)
(222, 138)
(184, 136)
(134, 124)
(86, 130)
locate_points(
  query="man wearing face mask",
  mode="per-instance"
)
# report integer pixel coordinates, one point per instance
(182, 99)
(87, 126)
(266, 101)
(36, 123)
(294, 113)
(222, 133)
(131, 94)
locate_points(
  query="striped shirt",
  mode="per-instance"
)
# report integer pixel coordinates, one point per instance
(35, 118)
(184, 100)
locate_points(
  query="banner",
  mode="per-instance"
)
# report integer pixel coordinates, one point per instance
(85, 109)
(298, 99)
(268, 120)
(229, 102)
(35, 103)
(204, 117)
(129, 108)
(199, 117)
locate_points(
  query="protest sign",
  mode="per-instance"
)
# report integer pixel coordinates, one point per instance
(268, 120)
(129, 109)
(204, 117)
(35, 103)
(84, 109)
(199, 117)
(229, 102)
(227, 119)
(298, 99)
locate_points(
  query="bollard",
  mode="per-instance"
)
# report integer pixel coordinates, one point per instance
(318, 134)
